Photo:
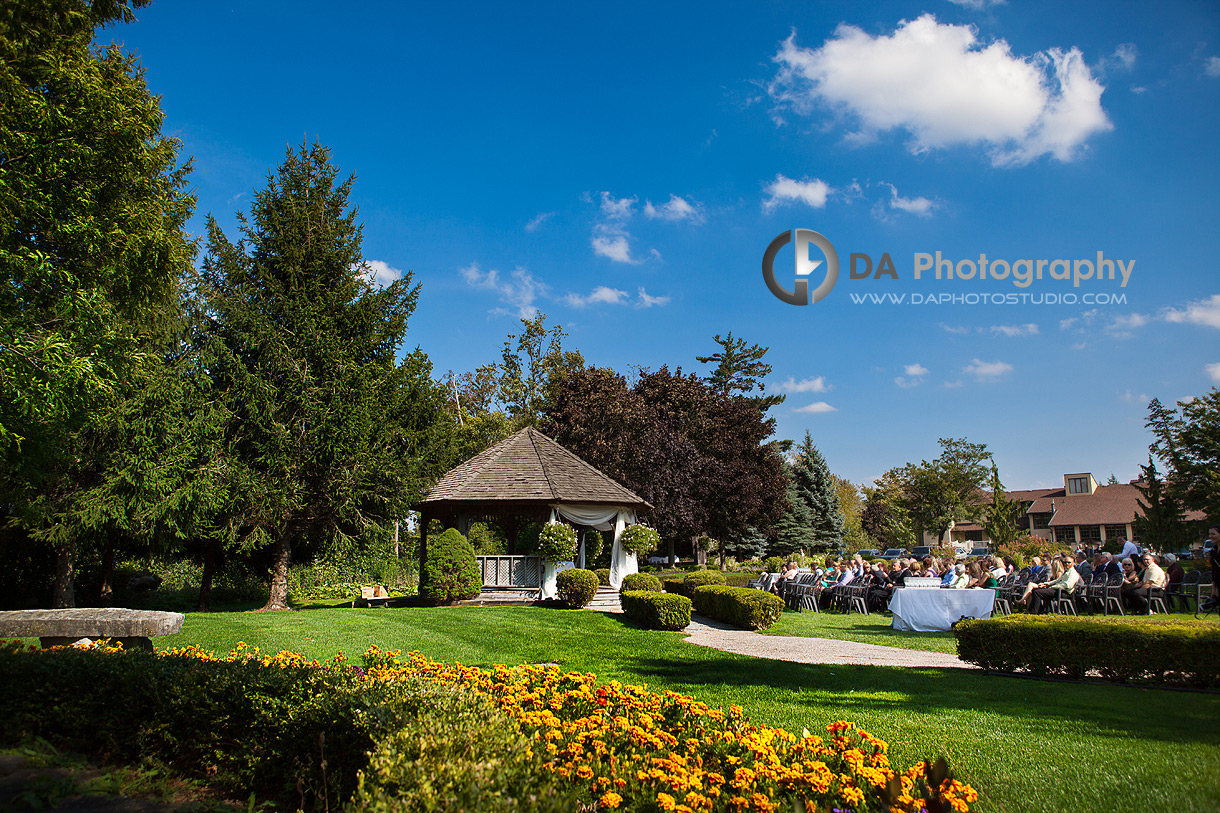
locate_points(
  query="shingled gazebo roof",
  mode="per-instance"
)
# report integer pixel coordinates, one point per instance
(527, 467)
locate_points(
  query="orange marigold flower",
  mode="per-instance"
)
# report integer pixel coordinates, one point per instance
(666, 802)
(610, 799)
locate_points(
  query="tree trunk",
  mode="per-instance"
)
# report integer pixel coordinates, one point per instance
(672, 557)
(205, 582)
(281, 553)
(106, 594)
(63, 594)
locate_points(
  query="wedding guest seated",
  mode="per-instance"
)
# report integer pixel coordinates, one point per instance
(790, 572)
(997, 568)
(949, 575)
(1082, 565)
(960, 579)
(1153, 578)
(1036, 569)
(1062, 577)
(1131, 579)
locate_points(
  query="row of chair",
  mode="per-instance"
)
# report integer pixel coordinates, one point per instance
(1103, 593)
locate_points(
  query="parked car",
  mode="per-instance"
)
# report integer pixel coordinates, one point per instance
(893, 553)
(978, 552)
(920, 551)
(868, 553)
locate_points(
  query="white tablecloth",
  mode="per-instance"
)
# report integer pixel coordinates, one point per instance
(929, 610)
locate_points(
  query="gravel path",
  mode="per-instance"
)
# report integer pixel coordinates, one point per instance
(706, 632)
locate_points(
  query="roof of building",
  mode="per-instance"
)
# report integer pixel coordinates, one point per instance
(1108, 505)
(1030, 494)
(530, 467)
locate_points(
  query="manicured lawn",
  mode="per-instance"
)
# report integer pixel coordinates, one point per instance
(1025, 745)
(873, 628)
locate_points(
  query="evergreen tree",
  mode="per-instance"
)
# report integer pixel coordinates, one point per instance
(740, 369)
(1000, 524)
(1160, 524)
(92, 207)
(794, 530)
(326, 435)
(815, 487)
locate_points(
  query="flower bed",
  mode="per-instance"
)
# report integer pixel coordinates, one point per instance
(632, 749)
(408, 733)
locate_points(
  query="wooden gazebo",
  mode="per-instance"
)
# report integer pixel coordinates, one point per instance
(530, 478)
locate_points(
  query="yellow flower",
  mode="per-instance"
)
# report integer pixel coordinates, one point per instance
(610, 799)
(665, 801)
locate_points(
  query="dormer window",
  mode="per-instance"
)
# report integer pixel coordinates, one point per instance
(1078, 485)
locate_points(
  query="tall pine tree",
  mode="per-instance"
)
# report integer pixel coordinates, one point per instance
(816, 488)
(795, 529)
(1160, 524)
(325, 430)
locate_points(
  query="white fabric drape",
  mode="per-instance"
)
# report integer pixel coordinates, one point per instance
(605, 518)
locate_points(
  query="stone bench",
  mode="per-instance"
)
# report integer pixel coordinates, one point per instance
(132, 628)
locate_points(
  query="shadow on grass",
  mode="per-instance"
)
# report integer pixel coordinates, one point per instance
(1165, 716)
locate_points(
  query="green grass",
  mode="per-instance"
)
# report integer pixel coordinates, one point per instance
(873, 628)
(1026, 745)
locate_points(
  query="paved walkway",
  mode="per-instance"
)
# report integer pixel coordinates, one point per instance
(706, 632)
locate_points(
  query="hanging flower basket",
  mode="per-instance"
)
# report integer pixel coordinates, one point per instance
(639, 539)
(557, 542)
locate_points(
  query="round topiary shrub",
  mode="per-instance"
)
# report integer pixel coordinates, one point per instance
(450, 572)
(576, 587)
(603, 576)
(639, 539)
(557, 542)
(773, 564)
(642, 581)
(699, 578)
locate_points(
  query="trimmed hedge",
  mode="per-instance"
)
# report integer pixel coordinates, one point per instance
(576, 587)
(450, 571)
(688, 584)
(1166, 650)
(738, 579)
(658, 611)
(603, 576)
(641, 581)
(740, 606)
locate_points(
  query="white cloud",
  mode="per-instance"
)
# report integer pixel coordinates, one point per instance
(1204, 312)
(945, 88)
(816, 408)
(643, 300)
(538, 220)
(977, 5)
(382, 274)
(674, 209)
(1028, 329)
(1125, 55)
(958, 329)
(601, 295)
(617, 208)
(786, 190)
(1213, 372)
(1212, 66)
(920, 207)
(1132, 398)
(615, 248)
(987, 370)
(915, 369)
(817, 384)
(518, 291)
(1065, 324)
(907, 383)
(952, 385)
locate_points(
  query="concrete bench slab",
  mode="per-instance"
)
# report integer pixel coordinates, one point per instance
(133, 628)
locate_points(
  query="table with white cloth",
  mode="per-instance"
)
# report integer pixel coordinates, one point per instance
(917, 610)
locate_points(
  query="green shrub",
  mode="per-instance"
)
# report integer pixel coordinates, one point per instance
(557, 542)
(658, 611)
(773, 564)
(457, 753)
(1165, 650)
(642, 581)
(450, 572)
(603, 576)
(739, 606)
(694, 581)
(672, 584)
(639, 539)
(737, 578)
(576, 587)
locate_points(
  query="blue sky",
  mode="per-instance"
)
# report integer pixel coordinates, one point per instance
(623, 167)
